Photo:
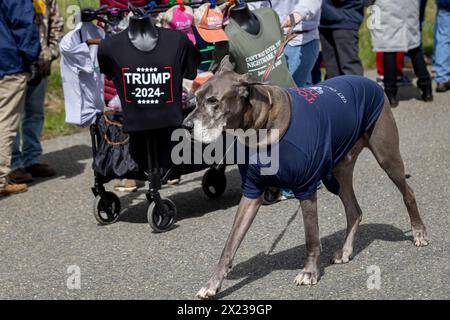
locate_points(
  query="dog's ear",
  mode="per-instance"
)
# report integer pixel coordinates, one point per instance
(260, 101)
(247, 82)
(226, 64)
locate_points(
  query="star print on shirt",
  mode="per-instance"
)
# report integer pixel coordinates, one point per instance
(149, 85)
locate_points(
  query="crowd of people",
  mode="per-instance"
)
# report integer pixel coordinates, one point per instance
(328, 35)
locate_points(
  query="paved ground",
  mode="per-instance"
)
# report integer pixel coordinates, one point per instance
(51, 227)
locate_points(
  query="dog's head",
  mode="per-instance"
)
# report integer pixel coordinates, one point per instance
(228, 101)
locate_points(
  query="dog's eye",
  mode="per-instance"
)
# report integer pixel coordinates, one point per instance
(212, 100)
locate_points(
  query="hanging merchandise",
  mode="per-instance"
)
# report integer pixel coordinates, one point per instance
(180, 18)
(149, 83)
(81, 78)
(255, 53)
(209, 23)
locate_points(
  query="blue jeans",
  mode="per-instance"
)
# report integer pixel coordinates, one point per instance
(27, 148)
(441, 59)
(301, 60)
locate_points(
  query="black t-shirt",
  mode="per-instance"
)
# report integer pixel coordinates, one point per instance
(149, 84)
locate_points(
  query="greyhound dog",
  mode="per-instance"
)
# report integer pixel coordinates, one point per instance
(233, 101)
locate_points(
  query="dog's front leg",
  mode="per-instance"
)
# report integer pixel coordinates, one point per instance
(311, 272)
(244, 217)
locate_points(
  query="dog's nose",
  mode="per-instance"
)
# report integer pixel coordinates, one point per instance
(188, 125)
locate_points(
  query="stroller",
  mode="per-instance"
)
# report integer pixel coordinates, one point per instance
(114, 159)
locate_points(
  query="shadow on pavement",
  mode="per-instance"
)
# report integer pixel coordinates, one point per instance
(409, 92)
(66, 162)
(190, 204)
(264, 263)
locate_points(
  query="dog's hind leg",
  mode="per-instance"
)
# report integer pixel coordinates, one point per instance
(384, 144)
(247, 210)
(344, 175)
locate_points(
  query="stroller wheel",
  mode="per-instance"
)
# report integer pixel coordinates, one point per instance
(159, 221)
(214, 183)
(271, 196)
(107, 208)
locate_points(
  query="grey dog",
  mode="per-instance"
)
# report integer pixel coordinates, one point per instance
(230, 101)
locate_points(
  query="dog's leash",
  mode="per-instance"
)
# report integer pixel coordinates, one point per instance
(287, 38)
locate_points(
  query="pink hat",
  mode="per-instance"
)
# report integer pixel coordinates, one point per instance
(180, 18)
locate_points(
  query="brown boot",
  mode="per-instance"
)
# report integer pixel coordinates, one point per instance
(40, 170)
(20, 176)
(11, 189)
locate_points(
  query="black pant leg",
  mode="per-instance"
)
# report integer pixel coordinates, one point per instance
(420, 67)
(390, 73)
(329, 53)
(347, 47)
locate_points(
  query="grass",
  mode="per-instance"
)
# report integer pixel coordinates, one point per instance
(54, 111)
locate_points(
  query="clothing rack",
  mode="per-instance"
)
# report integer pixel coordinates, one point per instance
(197, 4)
(105, 14)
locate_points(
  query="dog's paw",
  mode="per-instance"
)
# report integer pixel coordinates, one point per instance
(420, 237)
(306, 278)
(206, 293)
(341, 257)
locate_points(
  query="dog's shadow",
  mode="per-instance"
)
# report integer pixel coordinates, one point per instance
(265, 263)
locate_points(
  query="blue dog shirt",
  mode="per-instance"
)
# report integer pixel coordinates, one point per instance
(327, 120)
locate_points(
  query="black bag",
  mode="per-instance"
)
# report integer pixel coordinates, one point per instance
(112, 157)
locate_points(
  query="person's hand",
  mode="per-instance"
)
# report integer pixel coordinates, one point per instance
(35, 75)
(287, 22)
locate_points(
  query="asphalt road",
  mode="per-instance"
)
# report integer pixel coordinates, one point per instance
(50, 228)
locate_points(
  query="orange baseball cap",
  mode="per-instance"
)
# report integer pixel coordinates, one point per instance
(210, 26)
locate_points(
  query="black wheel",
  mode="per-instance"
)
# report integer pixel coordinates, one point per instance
(162, 222)
(271, 196)
(107, 208)
(214, 183)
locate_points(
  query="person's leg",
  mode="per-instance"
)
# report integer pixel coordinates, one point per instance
(442, 50)
(301, 61)
(400, 63)
(347, 47)
(292, 58)
(309, 54)
(379, 63)
(16, 153)
(421, 71)
(390, 77)
(12, 95)
(329, 53)
(316, 74)
(32, 123)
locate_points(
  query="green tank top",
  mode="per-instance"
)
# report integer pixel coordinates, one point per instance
(253, 54)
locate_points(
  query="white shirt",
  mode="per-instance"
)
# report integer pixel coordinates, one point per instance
(309, 10)
(81, 77)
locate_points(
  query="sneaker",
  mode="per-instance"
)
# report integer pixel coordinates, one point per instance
(173, 182)
(380, 80)
(20, 176)
(40, 170)
(286, 195)
(12, 188)
(125, 185)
